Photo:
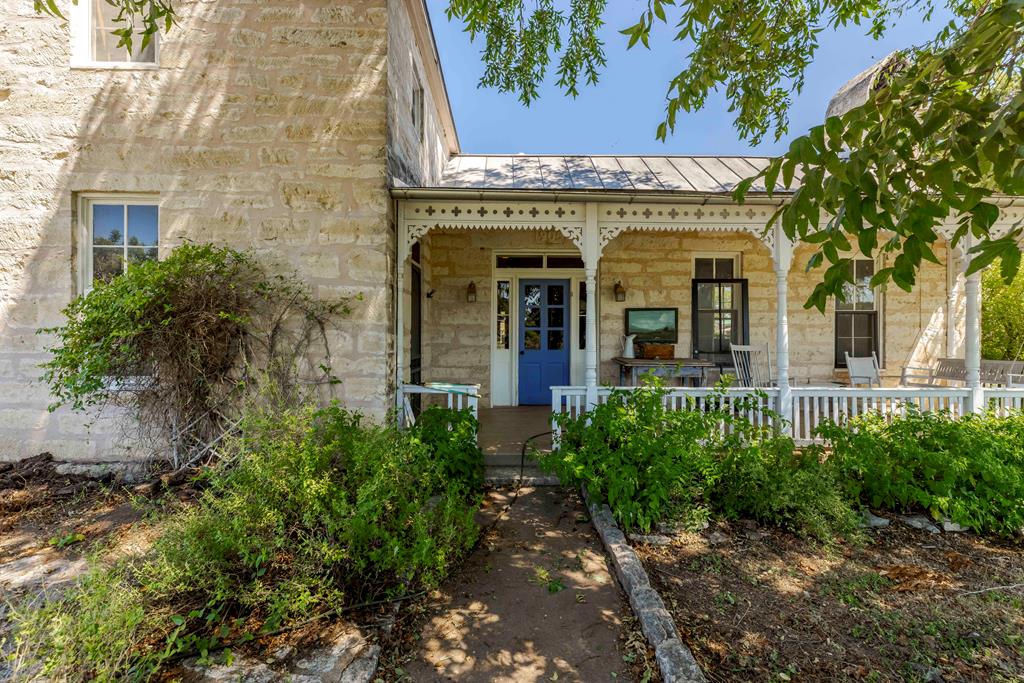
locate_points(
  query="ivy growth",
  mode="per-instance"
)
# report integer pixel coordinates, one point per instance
(174, 342)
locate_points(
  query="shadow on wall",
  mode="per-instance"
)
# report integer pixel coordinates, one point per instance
(263, 128)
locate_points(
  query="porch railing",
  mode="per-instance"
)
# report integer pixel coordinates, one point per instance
(810, 406)
(573, 401)
(455, 396)
(814, 405)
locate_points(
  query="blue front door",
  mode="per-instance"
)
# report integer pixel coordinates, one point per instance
(543, 339)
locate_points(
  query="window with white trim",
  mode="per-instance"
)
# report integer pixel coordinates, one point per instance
(119, 233)
(417, 110)
(857, 314)
(95, 44)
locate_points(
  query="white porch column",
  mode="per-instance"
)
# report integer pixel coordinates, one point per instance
(783, 258)
(972, 336)
(591, 258)
(401, 256)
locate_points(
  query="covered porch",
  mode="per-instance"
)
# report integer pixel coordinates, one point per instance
(527, 294)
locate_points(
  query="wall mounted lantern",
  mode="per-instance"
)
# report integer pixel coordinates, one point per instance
(620, 292)
(471, 293)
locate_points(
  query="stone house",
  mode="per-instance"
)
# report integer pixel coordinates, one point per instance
(320, 135)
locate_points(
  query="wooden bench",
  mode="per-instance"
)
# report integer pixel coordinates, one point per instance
(953, 372)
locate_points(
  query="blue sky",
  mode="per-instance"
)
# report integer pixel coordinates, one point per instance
(620, 114)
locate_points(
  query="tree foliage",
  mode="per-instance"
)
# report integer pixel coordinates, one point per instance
(937, 142)
(1002, 316)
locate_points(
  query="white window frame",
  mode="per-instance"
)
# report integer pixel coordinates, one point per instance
(81, 43)
(879, 310)
(84, 233)
(418, 110)
(736, 256)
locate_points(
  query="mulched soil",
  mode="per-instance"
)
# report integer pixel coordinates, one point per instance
(905, 605)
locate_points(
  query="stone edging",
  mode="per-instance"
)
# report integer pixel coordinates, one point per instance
(675, 661)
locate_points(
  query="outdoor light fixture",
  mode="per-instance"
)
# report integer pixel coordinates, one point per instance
(620, 292)
(471, 293)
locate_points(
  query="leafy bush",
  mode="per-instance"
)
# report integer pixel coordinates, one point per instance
(649, 463)
(970, 470)
(451, 436)
(321, 510)
(182, 332)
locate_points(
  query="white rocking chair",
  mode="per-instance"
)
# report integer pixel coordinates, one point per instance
(864, 370)
(753, 365)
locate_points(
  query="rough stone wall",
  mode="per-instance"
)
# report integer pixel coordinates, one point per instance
(414, 158)
(656, 269)
(265, 127)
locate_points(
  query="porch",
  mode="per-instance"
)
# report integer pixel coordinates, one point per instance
(526, 293)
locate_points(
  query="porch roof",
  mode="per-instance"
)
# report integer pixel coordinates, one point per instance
(702, 175)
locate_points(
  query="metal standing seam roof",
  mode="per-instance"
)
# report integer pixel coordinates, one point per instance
(687, 174)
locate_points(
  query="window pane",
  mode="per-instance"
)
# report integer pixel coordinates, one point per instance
(862, 348)
(107, 224)
(140, 254)
(844, 325)
(556, 340)
(531, 340)
(843, 346)
(107, 262)
(502, 333)
(565, 262)
(862, 326)
(556, 295)
(723, 268)
(504, 296)
(704, 295)
(531, 317)
(142, 225)
(532, 295)
(104, 42)
(556, 317)
(704, 268)
(520, 262)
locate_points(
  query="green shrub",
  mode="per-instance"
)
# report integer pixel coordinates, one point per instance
(650, 463)
(320, 510)
(773, 483)
(451, 436)
(970, 470)
(184, 332)
(634, 454)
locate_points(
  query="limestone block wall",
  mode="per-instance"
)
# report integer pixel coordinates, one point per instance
(415, 156)
(265, 127)
(656, 270)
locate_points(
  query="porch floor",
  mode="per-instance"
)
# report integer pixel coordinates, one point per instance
(503, 431)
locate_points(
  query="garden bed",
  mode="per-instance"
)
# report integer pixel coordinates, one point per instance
(760, 604)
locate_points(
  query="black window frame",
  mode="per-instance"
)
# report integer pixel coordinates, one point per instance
(840, 358)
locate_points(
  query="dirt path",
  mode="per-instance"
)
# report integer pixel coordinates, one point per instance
(535, 603)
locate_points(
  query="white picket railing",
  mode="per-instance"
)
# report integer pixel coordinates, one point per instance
(810, 406)
(1003, 401)
(573, 401)
(456, 397)
(814, 405)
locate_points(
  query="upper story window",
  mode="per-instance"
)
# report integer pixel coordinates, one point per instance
(417, 108)
(95, 44)
(119, 232)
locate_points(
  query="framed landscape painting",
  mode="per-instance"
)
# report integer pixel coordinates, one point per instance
(653, 325)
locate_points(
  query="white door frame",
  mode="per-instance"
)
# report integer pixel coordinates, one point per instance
(504, 363)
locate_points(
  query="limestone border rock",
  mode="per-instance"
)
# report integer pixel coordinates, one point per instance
(675, 661)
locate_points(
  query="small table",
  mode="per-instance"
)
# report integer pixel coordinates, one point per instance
(691, 370)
